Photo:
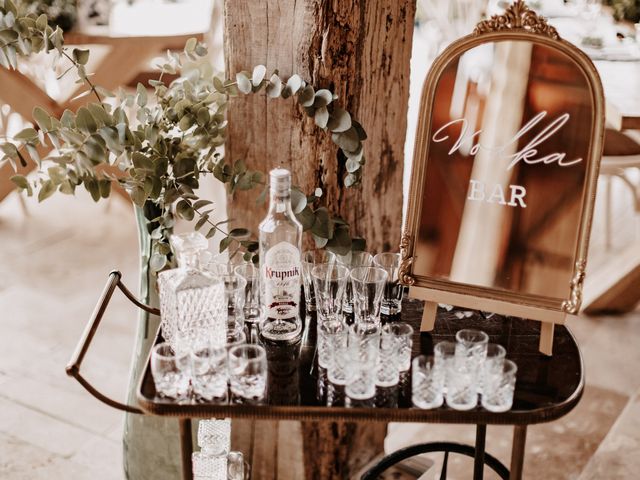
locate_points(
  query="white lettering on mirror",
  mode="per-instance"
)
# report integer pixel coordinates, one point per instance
(528, 154)
(478, 192)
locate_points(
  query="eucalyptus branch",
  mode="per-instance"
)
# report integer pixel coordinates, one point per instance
(166, 147)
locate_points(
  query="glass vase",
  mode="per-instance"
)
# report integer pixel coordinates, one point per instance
(151, 444)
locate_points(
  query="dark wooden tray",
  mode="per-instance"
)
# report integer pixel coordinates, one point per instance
(547, 387)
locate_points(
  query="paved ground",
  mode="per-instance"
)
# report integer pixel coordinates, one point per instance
(53, 264)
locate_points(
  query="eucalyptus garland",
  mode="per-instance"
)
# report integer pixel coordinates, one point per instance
(159, 150)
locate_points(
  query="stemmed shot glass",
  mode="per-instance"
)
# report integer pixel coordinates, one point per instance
(367, 284)
(251, 309)
(329, 282)
(352, 260)
(310, 259)
(392, 298)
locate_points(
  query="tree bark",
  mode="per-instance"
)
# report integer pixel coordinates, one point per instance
(360, 50)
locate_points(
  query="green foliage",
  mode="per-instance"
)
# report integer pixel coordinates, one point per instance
(625, 9)
(163, 145)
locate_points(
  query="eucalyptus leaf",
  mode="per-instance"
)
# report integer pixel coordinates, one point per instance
(339, 121)
(259, 71)
(81, 56)
(274, 87)
(298, 200)
(244, 84)
(46, 190)
(322, 98)
(294, 83)
(42, 118)
(306, 96)
(321, 117)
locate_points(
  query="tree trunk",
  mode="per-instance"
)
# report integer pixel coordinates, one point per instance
(360, 50)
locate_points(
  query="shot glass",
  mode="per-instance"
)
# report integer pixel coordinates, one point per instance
(351, 260)
(462, 387)
(392, 297)
(214, 436)
(310, 259)
(332, 335)
(171, 371)
(426, 383)
(364, 340)
(236, 466)
(498, 388)
(361, 374)
(388, 374)
(337, 371)
(210, 375)
(329, 282)
(403, 335)
(208, 467)
(471, 349)
(248, 373)
(367, 284)
(444, 354)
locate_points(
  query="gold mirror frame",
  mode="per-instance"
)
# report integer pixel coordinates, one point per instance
(517, 23)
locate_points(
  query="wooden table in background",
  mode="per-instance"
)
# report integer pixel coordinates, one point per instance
(621, 82)
(126, 59)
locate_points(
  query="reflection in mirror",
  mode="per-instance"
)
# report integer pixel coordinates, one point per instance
(506, 168)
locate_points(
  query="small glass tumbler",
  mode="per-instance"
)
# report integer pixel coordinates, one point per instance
(426, 383)
(235, 466)
(498, 388)
(214, 436)
(462, 386)
(471, 349)
(367, 284)
(171, 371)
(329, 282)
(248, 373)
(393, 289)
(310, 259)
(210, 375)
(332, 335)
(351, 260)
(388, 374)
(209, 467)
(403, 334)
(362, 373)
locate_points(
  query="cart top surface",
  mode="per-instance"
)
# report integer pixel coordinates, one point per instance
(546, 388)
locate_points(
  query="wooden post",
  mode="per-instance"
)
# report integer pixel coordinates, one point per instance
(361, 51)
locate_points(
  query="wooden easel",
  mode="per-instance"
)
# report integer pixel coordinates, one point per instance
(548, 318)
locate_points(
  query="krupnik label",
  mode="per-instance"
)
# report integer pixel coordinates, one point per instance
(282, 277)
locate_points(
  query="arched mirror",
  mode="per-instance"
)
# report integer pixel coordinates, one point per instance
(504, 173)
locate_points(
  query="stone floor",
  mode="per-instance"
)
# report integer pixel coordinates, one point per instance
(54, 260)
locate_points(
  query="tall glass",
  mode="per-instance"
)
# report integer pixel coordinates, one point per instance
(310, 259)
(351, 260)
(368, 286)
(329, 282)
(251, 309)
(392, 297)
(234, 289)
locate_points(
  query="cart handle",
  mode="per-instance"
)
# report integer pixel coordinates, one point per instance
(73, 367)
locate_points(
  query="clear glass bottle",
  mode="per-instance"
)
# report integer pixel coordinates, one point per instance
(192, 302)
(280, 263)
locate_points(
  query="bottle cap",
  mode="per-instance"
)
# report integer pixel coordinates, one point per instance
(280, 181)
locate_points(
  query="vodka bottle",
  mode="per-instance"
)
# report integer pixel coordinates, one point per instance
(280, 263)
(193, 309)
